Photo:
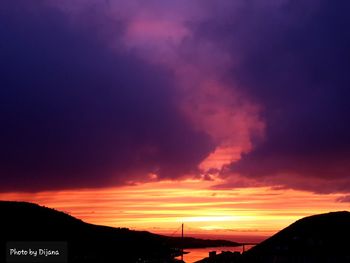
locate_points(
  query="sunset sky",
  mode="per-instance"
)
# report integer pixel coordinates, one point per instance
(230, 116)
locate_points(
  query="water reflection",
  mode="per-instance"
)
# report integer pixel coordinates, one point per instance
(200, 253)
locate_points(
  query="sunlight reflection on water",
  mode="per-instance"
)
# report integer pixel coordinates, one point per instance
(200, 253)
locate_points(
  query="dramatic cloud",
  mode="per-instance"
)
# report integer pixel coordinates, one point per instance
(97, 93)
(76, 112)
(293, 60)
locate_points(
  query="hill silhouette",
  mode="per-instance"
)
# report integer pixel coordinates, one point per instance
(323, 238)
(22, 221)
(318, 238)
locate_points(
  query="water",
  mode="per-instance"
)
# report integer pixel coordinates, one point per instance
(200, 253)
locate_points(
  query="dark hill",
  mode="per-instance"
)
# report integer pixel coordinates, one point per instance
(318, 238)
(21, 221)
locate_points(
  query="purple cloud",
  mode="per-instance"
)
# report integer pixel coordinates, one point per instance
(96, 94)
(293, 60)
(77, 113)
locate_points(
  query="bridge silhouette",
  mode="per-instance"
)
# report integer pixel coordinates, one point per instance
(247, 244)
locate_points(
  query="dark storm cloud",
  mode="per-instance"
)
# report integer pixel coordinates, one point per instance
(76, 114)
(293, 60)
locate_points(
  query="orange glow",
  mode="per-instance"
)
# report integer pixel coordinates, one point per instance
(161, 206)
(220, 157)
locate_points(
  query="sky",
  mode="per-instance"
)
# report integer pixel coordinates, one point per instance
(230, 116)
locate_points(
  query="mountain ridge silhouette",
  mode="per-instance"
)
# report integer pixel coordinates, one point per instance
(23, 221)
(317, 238)
(322, 238)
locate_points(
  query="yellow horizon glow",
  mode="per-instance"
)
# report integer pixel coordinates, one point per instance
(162, 206)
